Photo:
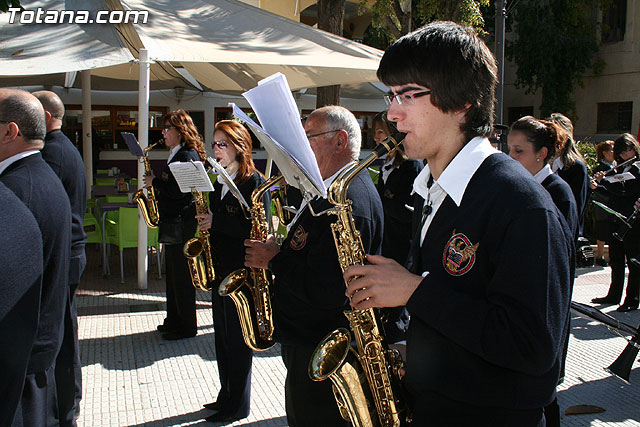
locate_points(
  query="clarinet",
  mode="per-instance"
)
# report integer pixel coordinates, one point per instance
(627, 225)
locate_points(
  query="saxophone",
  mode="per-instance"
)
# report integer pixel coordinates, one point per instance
(198, 251)
(148, 204)
(364, 381)
(249, 288)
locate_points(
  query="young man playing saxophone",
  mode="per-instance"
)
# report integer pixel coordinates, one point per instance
(488, 278)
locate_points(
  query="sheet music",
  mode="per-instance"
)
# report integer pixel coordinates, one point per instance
(276, 109)
(294, 172)
(625, 176)
(133, 144)
(191, 175)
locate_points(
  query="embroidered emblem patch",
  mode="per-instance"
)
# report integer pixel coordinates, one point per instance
(388, 194)
(232, 210)
(299, 239)
(459, 254)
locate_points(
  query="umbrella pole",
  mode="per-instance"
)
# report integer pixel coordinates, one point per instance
(143, 138)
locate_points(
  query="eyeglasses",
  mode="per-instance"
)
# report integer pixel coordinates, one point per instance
(322, 133)
(406, 98)
(219, 144)
(167, 128)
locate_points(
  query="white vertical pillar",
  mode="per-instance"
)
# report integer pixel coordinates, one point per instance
(143, 138)
(87, 143)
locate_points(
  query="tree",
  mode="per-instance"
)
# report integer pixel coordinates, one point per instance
(395, 18)
(330, 18)
(6, 4)
(556, 42)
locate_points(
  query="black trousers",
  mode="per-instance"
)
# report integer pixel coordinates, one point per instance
(181, 295)
(308, 403)
(233, 356)
(68, 370)
(38, 406)
(619, 255)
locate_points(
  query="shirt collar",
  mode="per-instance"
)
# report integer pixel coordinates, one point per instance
(543, 173)
(8, 161)
(173, 152)
(557, 164)
(456, 176)
(329, 181)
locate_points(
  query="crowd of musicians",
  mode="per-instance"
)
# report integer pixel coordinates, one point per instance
(469, 267)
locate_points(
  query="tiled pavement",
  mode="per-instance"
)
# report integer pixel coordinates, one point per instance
(131, 377)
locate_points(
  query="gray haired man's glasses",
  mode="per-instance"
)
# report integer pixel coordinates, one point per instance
(404, 98)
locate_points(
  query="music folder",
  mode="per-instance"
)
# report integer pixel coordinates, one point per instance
(191, 176)
(133, 144)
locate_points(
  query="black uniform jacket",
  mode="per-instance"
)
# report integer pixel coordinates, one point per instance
(309, 291)
(172, 203)
(35, 183)
(395, 194)
(487, 322)
(578, 179)
(231, 225)
(622, 195)
(20, 283)
(563, 198)
(64, 158)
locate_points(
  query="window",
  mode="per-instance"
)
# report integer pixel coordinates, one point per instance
(514, 113)
(614, 21)
(614, 117)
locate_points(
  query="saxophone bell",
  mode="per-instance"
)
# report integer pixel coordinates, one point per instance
(197, 250)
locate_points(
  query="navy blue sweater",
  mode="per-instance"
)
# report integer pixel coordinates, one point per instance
(487, 322)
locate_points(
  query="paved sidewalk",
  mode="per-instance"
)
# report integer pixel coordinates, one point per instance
(131, 377)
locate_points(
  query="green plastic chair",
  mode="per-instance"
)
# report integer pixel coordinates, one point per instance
(374, 172)
(121, 230)
(92, 228)
(117, 198)
(133, 184)
(102, 171)
(106, 181)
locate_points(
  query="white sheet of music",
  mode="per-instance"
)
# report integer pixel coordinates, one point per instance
(276, 109)
(191, 176)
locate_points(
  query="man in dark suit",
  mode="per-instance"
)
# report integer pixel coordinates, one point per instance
(63, 157)
(20, 282)
(22, 170)
(309, 292)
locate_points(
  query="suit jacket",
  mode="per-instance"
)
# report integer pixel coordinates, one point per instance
(563, 198)
(230, 227)
(20, 287)
(309, 291)
(35, 183)
(63, 157)
(395, 194)
(488, 322)
(578, 179)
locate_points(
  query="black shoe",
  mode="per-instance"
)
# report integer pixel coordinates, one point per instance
(605, 300)
(601, 262)
(626, 307)
(223, 417)
(215, 406)
(165, 328)
(172, 336)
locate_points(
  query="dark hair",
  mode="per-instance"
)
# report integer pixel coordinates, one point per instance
(238, 136)
(602, 147)
(455, 64)
(541, 133)
(29, 116)
(184, 125)
(399, 155)
(623, 143)
(569, 153)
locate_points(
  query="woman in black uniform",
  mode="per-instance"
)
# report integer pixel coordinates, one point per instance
(395, 185)
(623, 188)
(177, 225)
(604, 153)
(230, 225)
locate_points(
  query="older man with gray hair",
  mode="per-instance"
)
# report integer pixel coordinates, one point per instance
(309, 292)
(23, 171)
